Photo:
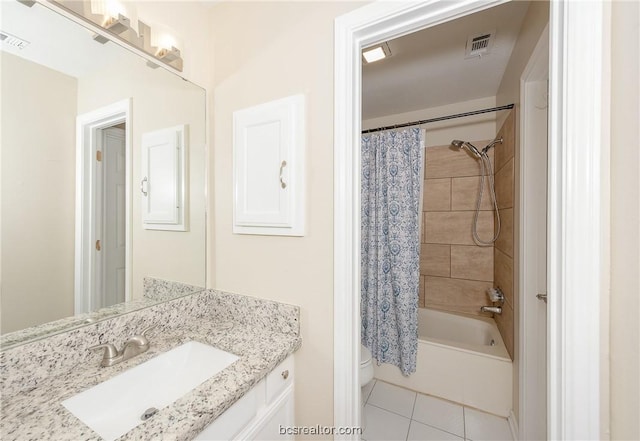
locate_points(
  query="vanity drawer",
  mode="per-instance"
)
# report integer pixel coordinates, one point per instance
(279, 379)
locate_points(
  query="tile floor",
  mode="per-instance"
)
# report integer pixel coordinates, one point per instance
(396, 414)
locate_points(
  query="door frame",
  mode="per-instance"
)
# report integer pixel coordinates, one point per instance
(578, 181)
(537, 70)
(88, 138)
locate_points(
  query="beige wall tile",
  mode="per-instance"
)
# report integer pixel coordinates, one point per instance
(505, 326)
(464, 296)
(505, 240)
(435, 260)
(455, 227)
(503, 273)
(464, 194)
(504, 185)
(421, 293)
(472, 262)
(437, 195)
(503, 249)
(442, 162)
(505, 151)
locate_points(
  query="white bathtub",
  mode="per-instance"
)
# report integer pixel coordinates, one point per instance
(460, 358)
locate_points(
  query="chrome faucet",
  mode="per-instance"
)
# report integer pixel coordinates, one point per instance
(496, 296)
(134, 346)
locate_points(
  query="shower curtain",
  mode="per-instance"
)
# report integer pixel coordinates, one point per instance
(392, 164)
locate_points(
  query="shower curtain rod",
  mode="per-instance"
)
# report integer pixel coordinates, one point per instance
(440, 118)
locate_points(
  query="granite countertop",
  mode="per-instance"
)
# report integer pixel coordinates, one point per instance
(37, 413)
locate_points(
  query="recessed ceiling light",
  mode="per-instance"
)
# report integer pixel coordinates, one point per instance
(376, 53)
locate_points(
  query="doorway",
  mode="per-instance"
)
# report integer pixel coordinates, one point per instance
(103, 208)
(578, 140)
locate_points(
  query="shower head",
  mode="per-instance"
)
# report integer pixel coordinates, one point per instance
(457, 144)
(492, 143)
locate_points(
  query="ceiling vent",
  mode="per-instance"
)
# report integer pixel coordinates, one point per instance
(12, 40)
(479, 44)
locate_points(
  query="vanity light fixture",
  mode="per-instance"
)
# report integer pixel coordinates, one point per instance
(121, 20)
(165, 44)
(116, 25)
(172, 54)
(167, 55)
(376, 53)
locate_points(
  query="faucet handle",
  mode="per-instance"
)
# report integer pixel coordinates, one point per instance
(496, 295)
(141, 339)
(110, 350)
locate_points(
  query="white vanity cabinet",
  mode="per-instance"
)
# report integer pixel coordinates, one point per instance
(261, 412)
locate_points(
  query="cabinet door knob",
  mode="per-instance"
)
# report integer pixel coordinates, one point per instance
(285, 374)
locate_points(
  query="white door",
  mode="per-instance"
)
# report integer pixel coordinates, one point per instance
(533, 252)
(538, 297)
(114, 215)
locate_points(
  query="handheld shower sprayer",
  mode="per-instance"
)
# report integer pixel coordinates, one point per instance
(492, 144)
(486, 171)
(457, 144)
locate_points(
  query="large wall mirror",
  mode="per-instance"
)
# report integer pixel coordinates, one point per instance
(79, 181)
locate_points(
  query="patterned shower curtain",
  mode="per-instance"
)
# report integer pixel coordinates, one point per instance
(392, 163)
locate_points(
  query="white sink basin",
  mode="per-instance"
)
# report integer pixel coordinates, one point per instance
(114, 407)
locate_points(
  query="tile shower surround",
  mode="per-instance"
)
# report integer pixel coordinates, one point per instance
(38, 375)
(454, 272)
(503, 250)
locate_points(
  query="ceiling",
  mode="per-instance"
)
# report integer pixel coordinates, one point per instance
(428, 68)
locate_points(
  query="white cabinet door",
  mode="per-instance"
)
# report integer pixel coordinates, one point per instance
(279, 424)
(269, 144)
(163, 182)
(265, 413)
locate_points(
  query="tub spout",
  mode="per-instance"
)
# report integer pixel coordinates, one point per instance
(494, 309)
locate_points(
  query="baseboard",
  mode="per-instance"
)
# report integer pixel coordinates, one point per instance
(513, 425)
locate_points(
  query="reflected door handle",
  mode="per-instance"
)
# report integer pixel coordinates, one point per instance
(98, 246)
(542, 297)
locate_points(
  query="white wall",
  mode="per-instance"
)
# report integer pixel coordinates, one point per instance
(472, 128)
(265, 51)
(533, 24)
(625, 222)
(38, 193)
